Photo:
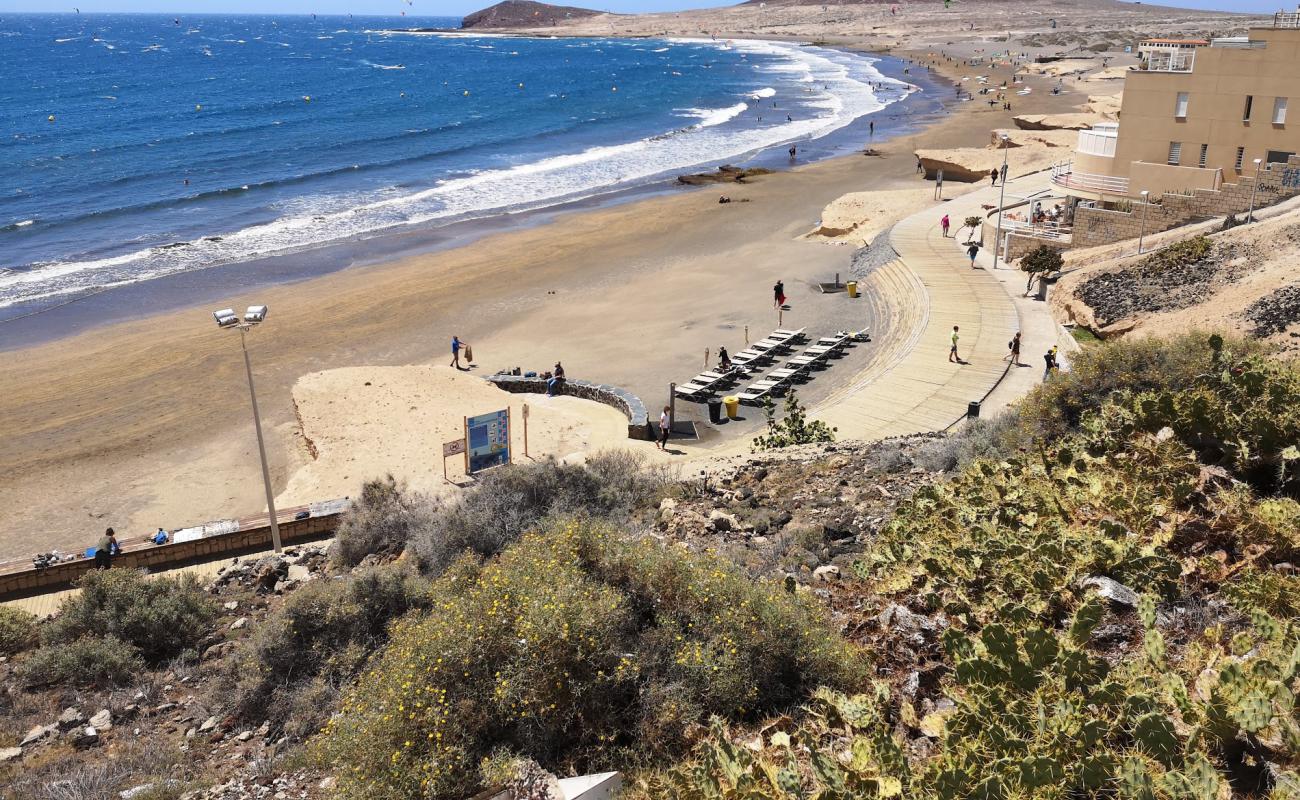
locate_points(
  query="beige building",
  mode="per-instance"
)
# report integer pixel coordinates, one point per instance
(1197, 118)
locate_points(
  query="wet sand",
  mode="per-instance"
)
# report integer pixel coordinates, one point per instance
(146, 422)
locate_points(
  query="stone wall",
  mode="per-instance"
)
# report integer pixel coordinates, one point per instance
(638, 422)
(27, 582)
(1096, 226)
(1018, 244)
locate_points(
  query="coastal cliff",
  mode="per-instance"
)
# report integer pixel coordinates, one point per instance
(523, 14)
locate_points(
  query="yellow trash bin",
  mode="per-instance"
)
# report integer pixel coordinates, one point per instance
(732, 404)
(852, 286)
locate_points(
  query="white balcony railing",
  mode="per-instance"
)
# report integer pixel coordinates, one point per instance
(1170, 61)
(1099, 141)
(1063, 175)
(1286, 19)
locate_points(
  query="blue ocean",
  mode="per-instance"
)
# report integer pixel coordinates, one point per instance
(141, 146)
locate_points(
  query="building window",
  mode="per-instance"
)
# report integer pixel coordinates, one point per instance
(1250, 102)
(1180, 107)
(1279, 111)
(1175, 152)
(1205, 152)
(1241, 158)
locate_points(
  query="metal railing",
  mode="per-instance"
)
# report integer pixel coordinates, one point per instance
(1286, 19)
(1063, 175)
(1099, 141)
(1039, 230)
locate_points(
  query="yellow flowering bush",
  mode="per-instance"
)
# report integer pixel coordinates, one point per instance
(579, 647)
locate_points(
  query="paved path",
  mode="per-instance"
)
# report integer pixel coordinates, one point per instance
(913, 387)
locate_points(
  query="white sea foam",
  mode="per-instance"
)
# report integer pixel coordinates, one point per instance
(842, 94)
(709, 117)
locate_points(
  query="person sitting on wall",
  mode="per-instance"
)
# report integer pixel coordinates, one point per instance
(160, 537)
(557, 378)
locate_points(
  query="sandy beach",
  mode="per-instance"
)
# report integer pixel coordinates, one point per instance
(146, 422)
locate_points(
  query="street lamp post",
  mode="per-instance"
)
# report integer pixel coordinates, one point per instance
(1143, 230)
(1002, 196)
(1250, 215)
(226, 318)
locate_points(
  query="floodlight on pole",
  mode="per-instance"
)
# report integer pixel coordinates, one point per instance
(1250, 215)
(255, 315)
(997, 237)
(1143, 230)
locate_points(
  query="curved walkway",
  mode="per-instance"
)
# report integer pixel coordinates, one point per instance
(915, 388)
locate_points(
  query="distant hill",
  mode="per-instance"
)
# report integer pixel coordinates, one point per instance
(524, 14)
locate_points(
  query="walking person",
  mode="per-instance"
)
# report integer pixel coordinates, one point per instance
(919, 168)
(106, 549)
(952, 352)
(993, 174)
(871, 128)
(665, 428)
(938, 185)
(456, 345)
(778, 294)
(1014, 347)
(973, 251)
(945, 223)
(1049, 359)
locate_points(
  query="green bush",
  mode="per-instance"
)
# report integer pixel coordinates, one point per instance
(792, 429)
(1040, 261)
(161, 616)
(17, 630)
(89, 661)
(581, 648)
(1057, 407)
(288, 670)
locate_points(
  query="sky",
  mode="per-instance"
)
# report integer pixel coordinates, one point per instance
(453, 8)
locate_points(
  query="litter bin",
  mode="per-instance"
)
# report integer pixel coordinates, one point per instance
(852, 286)
(733, 406)
(715, 410)
(973, 409)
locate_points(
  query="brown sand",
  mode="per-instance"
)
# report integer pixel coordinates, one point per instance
(365, 422)
(146, 423)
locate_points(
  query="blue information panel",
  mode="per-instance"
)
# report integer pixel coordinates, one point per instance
(489, 441)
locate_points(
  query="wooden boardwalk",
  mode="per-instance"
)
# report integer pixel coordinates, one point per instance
(913, 387)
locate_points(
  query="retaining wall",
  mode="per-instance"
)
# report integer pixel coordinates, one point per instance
(59, 576)
(1095, 226)
(638, 422)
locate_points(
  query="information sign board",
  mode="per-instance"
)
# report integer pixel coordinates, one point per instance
(488, 436)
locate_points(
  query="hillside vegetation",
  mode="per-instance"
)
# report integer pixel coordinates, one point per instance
(1091, 596)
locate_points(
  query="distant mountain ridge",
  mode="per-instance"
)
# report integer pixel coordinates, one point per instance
(524, 14)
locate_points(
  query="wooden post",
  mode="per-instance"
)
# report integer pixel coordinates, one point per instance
(465, 427)
(706, 358)
(526, 431)
(746, 335)
(672, 405)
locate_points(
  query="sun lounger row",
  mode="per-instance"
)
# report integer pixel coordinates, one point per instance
(757, 354)
(796, 369)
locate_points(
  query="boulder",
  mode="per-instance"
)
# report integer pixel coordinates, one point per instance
(826, 574)
(208, 724)
(70, 718)
(300, 573)
(1111, 590)
(218, 650)
(102, 721)
(8, 754)
(37, 733)
(84, 737)
(722, 521)
(239, 623)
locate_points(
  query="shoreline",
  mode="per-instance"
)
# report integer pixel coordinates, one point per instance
(22, 323)
(44, 324)
(145, 422)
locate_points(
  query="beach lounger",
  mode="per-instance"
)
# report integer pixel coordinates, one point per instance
(789, 335)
